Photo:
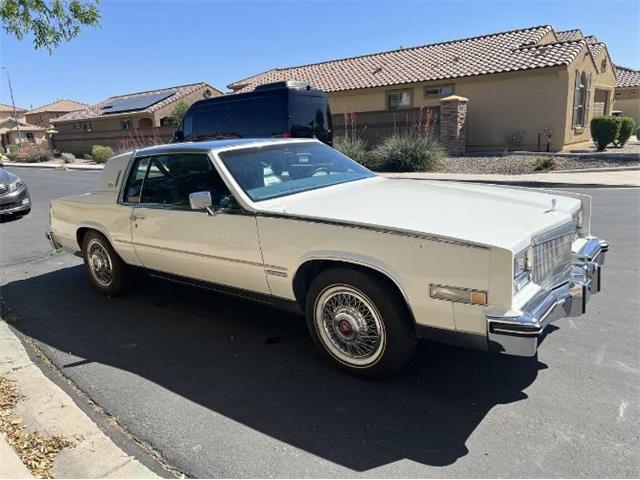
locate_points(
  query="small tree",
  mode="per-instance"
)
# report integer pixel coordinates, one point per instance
(51, 22)
(604, 130)
(178, 111)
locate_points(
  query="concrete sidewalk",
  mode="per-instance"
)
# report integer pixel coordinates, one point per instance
(46, 408)
(599, 178)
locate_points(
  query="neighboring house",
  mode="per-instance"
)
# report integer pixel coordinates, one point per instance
(521, 85)
(627, 97)
(126, 121)
(27, 133)
(23, 132)
(7, 111)
(43, 115)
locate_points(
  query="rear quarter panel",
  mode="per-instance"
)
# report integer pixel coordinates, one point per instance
(99, 211)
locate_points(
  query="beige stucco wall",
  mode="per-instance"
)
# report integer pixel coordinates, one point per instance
(628, 100)
(42, 119)
(603, 81)
(499, 106)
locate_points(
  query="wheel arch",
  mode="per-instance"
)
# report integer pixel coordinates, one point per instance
(307, 270)
(85, 227)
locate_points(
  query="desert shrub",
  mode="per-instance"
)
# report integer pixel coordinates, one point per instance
(604, 130)
(407, 152)
(101, 153)
(544, 164)
(87, 156)
(1, 150)
(626, 126)
(68, 157)
(33, 154)
(355, 148)
(12, 150)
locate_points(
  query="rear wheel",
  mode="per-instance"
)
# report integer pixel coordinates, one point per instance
(106, 269)
(360, 322)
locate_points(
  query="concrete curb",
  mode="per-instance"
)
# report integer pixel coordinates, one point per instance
(48, 409)
(10, 464)
(59, 166)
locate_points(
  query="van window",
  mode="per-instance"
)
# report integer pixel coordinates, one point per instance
(250, 118)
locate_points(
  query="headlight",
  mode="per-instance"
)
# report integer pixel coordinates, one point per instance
(15, 186)
(522, 265)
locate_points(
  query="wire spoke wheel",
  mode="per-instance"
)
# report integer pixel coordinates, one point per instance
(99, 261)
(349, 325)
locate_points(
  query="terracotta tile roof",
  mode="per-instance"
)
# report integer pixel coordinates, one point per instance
(8, 108)
(626, 77)
(500, 52)
(95, 111)
(575, 34)
(9, 125)
(62, 105)
(596, 48)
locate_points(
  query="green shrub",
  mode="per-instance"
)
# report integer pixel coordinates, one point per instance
(354, 148)
(604, 130)
(68, 157)
(101, 154)
(33, 154)
(626, 126)
(1, 150)
(407, 152)
(87, 156)
(544, 164)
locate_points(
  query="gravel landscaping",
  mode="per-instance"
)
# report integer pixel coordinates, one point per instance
(523, 164)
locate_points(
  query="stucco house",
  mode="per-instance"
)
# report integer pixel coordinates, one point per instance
(126, 120)
(627, 95)
(521, 85)
(42, 116)
(23, 132)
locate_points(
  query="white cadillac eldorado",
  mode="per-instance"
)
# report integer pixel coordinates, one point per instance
(374, 263)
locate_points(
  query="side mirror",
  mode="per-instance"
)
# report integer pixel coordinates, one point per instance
(200, 200)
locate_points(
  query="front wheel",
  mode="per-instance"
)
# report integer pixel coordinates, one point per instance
(360, 322)
(106, 269)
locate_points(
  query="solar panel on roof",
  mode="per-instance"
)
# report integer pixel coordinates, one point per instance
(136, 103)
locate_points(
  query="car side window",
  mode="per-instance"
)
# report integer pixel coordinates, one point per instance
(136, 178)
(171, 178)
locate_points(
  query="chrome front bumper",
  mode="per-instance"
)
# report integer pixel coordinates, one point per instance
(518, 335)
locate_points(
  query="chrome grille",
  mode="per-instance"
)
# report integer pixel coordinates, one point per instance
(552, 256)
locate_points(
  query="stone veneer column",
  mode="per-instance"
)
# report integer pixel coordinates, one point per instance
(453, 118)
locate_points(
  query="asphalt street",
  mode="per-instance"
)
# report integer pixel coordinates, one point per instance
(224, 387)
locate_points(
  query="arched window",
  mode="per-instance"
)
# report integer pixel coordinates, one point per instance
(581, 99)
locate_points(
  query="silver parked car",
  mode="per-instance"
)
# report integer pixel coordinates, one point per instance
(14, 195)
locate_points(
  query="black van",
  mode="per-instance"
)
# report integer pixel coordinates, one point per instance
(282, 109)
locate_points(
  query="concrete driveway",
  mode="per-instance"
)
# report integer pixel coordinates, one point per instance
(222, 387)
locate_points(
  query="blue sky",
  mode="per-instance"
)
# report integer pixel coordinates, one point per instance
(143, 45)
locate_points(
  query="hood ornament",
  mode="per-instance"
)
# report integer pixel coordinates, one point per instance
(554, 201)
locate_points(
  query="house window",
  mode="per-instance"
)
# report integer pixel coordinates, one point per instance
(86, 126)
(603, 65)
(439, 91)
(581, 98)
(167, 122)
(30, 138)
(398, 99)
(125, 124)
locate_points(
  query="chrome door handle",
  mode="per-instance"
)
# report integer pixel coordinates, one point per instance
(136, 217)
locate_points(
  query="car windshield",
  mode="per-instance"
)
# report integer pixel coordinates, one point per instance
(279, 170)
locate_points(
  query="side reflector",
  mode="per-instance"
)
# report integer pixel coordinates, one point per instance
(458, 294)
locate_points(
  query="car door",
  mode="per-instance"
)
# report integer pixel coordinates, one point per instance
(168, 236)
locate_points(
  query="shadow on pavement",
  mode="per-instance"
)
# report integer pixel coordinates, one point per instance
(257, 366)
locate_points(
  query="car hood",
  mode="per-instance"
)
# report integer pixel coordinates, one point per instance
(482, 214)
(7, 177)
